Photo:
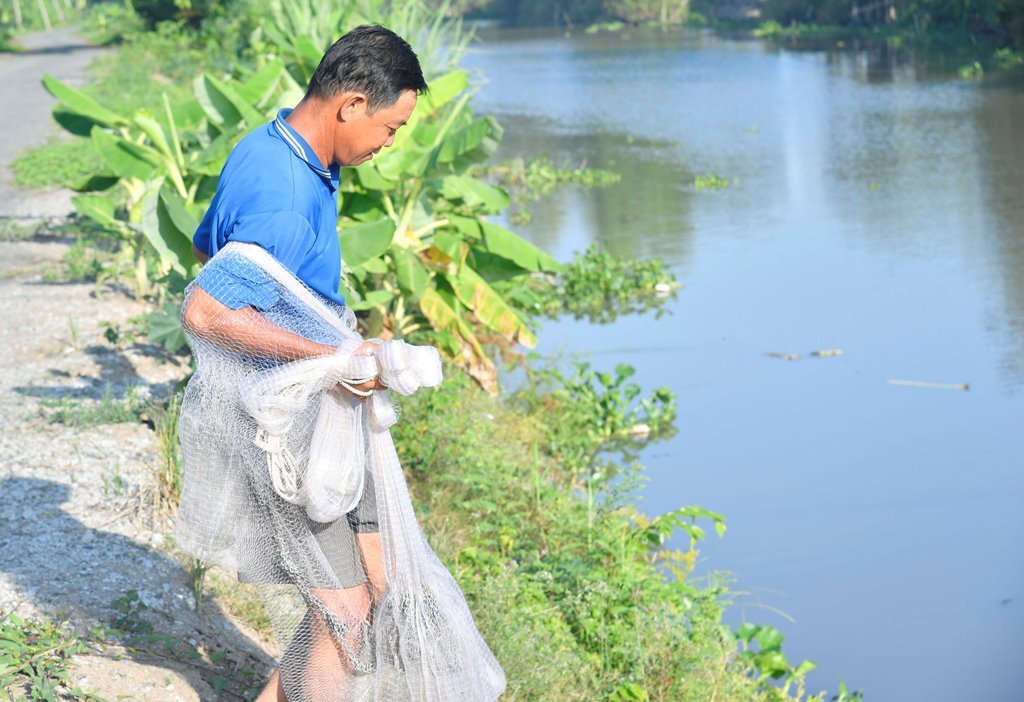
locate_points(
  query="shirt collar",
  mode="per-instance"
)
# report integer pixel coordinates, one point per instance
(303, 150)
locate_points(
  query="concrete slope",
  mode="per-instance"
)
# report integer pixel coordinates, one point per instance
(25, 112)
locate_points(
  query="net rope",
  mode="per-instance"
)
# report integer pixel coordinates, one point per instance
(296, 485)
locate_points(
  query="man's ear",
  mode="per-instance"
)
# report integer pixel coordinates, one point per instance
(351, 106)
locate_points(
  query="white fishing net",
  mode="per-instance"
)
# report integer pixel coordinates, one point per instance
(296, 485)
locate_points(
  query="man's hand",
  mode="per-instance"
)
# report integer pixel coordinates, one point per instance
(373, 384)
(367, 348)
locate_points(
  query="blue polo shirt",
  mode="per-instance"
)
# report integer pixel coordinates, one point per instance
(273, 192)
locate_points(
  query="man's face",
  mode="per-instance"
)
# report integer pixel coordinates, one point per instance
(358, 134)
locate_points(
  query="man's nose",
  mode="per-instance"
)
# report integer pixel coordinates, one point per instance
(390, 141)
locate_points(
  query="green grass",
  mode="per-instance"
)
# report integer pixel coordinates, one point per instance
(555, 561)
(35, 655)
(13, 230)
(80, 412)
(60, 163)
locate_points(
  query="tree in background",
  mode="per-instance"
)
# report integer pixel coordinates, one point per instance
(660, 11)
(1001, 18)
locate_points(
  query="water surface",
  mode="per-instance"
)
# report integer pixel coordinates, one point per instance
(879, 210)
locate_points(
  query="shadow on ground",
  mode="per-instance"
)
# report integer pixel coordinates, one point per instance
(121, 590)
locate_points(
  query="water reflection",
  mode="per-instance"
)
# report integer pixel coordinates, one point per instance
(999, 117)
(629, 221)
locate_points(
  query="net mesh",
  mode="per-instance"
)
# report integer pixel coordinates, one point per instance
(295, 484)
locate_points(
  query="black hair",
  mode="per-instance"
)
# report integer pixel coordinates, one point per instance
(372, 60)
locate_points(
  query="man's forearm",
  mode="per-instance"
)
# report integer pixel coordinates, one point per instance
(245, 331)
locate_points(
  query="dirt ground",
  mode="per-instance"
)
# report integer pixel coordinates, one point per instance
(78, 529)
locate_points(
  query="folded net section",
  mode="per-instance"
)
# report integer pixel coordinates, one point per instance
(297, 487)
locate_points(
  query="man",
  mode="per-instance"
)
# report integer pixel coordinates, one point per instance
(278, 190)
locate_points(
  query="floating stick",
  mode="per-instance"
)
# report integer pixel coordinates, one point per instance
(937, 386)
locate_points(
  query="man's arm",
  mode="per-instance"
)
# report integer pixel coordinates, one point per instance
(245, 330)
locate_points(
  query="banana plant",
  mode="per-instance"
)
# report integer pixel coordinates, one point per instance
(419, 254)
(160, 170)
(421, 257)
(414, 229)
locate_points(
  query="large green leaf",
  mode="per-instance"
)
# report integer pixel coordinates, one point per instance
(410, 272)
(362, 242)
(181, 220)
(259, 86)
(165, 327)
(168, 228)
(374, 298)
(482, 134)
(79, 103)
(99, 208)
(469, 227)
(188, 114)
(210, 160)
(474, 192)
(371, 179)
(124, 158)
(73, 122)
(410, 161)
(159, 138)
(501, 242)
(490, 307)
(494, 268)
(94, 182)
(362, 207)
(443, 90)
(223, 105)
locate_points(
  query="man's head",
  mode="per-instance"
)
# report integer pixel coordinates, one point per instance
(368, 82)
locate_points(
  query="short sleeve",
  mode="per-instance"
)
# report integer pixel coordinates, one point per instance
(286, 235)
(237, 283)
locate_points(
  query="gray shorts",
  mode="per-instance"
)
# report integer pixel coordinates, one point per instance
(336, 540)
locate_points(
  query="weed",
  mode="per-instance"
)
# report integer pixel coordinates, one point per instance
(197, 570)
(580, 598)
(1006, 59)
(241, 601)
(83, 262)
(76, 336)
(169, 475)
(114, 484)
(529, 180)
(129, 619)
(972, 71)
(600, 287)
(12, 230)
(64, 163)
(711, 182)
(614, 26)
(35, 655)
(79, 412)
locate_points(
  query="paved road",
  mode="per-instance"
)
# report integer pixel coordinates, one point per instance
(25, 112)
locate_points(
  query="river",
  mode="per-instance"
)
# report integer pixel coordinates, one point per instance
(877, 208)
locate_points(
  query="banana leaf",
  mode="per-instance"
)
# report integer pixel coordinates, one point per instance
(490, 307)
(75, 102)
(124, 158)
(474, 193)
(501, 242)
(362, 242)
